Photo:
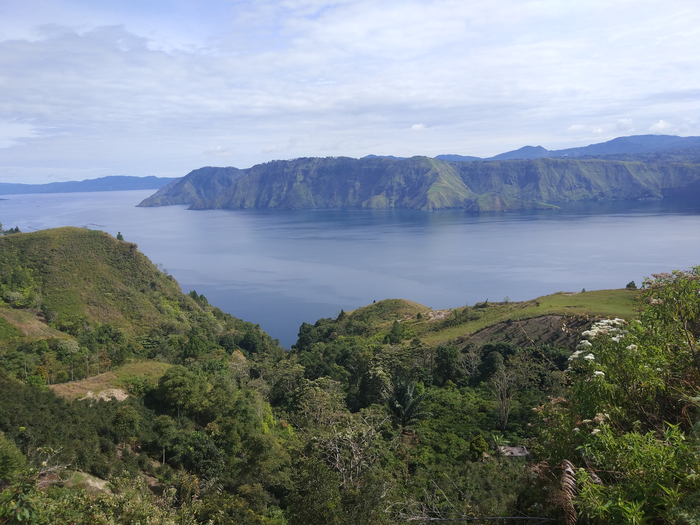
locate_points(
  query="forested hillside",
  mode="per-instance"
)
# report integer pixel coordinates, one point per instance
(576, 408)
(423, 183)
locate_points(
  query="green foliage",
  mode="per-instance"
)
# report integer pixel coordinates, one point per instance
(404, 407)
(477, 448)
(377, 416)
(630, 411)
(11, 460)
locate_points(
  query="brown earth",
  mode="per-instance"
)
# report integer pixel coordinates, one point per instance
(555, 330)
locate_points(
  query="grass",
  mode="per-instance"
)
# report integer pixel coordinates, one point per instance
(113, 380)
(388, 310)
(598, 303)
(89, 273)
(24, 324)
(86, 481)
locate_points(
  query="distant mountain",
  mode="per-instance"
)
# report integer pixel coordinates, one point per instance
(638, 147)
(526, 152)
(428, 184)
(633, 144)
(457, 158)
(112, 183)
(383, 157)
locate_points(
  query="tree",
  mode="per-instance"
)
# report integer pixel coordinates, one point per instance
(11, 459)
(477, 448)
(120, 237)
(126, 422)
(404, 407)
(104, 361)
(164, 427)
(183, 389)
(446, 364)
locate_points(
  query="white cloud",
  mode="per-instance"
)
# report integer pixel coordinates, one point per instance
(661, 127)
(11, 133)
(624, 124)
(150, 88)
(219, 151)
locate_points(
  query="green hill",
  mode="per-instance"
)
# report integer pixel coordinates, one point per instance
(86, 273)
(428, 184)
(75, 292)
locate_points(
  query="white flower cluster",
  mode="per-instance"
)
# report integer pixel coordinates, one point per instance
(611, 327)
(606, 326)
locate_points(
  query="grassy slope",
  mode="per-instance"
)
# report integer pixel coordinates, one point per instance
(600, 303)
(25, 325)
(116, 379)
(91, 274)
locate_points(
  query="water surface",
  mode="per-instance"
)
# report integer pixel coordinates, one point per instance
(279, 268)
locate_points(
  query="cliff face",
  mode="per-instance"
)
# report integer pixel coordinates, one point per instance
(418, 183)
(201, 184)
(426, 184)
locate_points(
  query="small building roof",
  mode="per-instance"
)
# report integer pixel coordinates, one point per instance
(514, 452)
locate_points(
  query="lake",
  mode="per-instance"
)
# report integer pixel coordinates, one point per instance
(279, 268)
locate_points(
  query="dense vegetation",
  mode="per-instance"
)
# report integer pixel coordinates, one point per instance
(388, 414)
(429, 184)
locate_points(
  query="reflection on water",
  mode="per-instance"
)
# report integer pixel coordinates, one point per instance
(281, 267)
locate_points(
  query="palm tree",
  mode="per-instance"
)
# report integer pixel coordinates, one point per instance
(405, 408)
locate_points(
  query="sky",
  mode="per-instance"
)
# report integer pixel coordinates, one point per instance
(90, 88)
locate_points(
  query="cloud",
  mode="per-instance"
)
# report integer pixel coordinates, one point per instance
(12, 133)
(624, 124)
(661, 127)
(149, 89)
(218, 151)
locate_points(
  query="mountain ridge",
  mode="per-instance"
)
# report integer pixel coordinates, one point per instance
(428, 184)
(110, 183)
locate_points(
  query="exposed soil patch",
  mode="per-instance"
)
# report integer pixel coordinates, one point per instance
(96, 387)
(438, 315)
(106, 395)
(31, 322)
(555, 330)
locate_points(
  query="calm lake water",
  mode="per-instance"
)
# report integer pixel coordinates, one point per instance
(280, 268)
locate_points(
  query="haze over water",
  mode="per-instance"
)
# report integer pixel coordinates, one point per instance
(280, 268)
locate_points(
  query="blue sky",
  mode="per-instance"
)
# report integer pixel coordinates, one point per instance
(95, 88)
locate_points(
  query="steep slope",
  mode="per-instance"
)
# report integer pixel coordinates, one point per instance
(74, 300)
(562, 180)
(428, 184)
(201, 184)
(88, 273)
(418, 183)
